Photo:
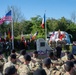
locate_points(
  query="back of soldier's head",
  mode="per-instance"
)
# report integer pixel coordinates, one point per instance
(10, 70)
(35, 52)
(51, 54)
(13, 56)
(70, 56)
(23, 52)
(13, 51)
(27, 57)
(39, 72)
(47, 62)
(68, 65)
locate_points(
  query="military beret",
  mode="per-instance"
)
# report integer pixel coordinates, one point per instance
(27, 57)
(13, 56)
(39, 72)
(47, 61)
(10, 70)
(70, 56)
(35, 52)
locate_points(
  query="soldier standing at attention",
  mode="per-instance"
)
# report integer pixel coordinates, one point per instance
(59, 49)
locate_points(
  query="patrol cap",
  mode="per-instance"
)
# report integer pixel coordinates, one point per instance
(10, 70)
(35, 52)
(23, 52)
(27, 57)
(47, 61)
(70, 56)
(39, 72)
(13, 56)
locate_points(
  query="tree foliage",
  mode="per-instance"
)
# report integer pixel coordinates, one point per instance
(34, 24)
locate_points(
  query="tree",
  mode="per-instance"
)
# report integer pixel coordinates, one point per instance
(73, 17)
(17, 18)
(36, 21)
(17, 15)
(27, 27)
(62, 24)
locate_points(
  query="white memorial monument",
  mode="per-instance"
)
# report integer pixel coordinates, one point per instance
(42, 45)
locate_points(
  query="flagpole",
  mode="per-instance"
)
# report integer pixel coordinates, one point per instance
(45, 27)
(12, 29)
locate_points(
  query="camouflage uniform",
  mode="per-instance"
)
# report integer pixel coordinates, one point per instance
(21, 58)
(2, 62)
(8, 64)
(35, 63)
(24, 70)
(64, 58)
(48, 71)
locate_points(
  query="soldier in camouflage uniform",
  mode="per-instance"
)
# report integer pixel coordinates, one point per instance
(11, 70)
(21, 57)
(35, 61)
(12, 62)
(47, 66)
(13, 52)
(2, 62)
(64, 58)
(50, 70)
(24, 69)
(69, 67)
(39, 72)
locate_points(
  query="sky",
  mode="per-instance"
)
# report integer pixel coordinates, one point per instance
(31, 8)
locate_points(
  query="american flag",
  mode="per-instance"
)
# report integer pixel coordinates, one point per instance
(8, 16)
(1, 21)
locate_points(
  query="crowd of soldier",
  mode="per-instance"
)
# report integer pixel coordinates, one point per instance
(24, 64)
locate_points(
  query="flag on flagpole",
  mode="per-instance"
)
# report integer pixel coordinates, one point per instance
(8, 16)
(22, 36)
(9, 34)
(43, 22)
(1, 21)
(34, 36)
